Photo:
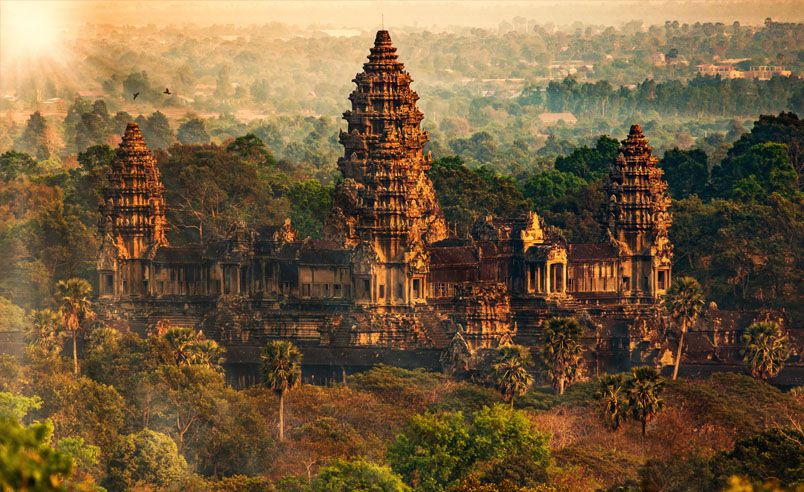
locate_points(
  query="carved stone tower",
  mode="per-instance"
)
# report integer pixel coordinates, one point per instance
(386, 206)
(133, 218)
(638, 220)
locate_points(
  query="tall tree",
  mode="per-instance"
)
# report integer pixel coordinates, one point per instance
(510, 372)
(157, 131)
(686, 172)
(767, 347)
(35, 139)
(561, 351)
(281, 372)
(193, 132)
(644, 390)
(684, 302)
(75, 307)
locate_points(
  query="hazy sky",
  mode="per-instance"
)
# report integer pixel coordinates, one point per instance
(368, 14)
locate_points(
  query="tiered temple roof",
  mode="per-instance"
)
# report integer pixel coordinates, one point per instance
(386, 192)
(134, 207)
(638, 202)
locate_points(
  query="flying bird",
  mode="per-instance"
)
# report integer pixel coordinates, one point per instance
(167, 91)
(136, 94)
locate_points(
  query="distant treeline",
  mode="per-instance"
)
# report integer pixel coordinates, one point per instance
(697, 97)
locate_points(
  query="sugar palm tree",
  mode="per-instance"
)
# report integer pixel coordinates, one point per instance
(643, 391)
(281, 371)
(75, 307)
(683, 302)
(766, 349)
(612, 395)
(510, 372)
(561, 351)
(188, 346)
(43, 337)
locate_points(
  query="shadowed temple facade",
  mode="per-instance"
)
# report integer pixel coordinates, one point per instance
(388, 283)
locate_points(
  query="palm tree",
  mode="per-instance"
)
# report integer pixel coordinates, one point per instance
(185, 346)
(615, 404)
(75, 307)
(766, 349)
(561, 351)
(510, 374)
(281, 371)
(43, 337)
(643, 391)
(684, 302)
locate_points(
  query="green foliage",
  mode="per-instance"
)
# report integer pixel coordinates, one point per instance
(466, 194)
(433, 451)
(15, 164)
(193, 132)
(684, 302)
(357, 476)
(546, 188)
(766, 349)
(12, 317)
(211, 187)
(281, 366)
(686, 172)
(643, 391)
(145, 458)
(561, 352)
(311, 202)
(510, 371)
(590, 164)
(16, 407)
(774, 455)
(27, 462)
(185, 346)
(437, 451)
(394, 384)
(613, 399)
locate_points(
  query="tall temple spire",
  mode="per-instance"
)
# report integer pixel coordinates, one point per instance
(134, 208)
(638, 219)
(386, 201)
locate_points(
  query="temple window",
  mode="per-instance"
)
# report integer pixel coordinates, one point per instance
(305, 290)
(108, 283)
(336, 290)
(626, 283)
(325, 290)
(381, 294)
(316, 290)
(662, 280)
(416, 288)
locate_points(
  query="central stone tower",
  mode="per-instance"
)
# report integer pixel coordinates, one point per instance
(639, 220)
(385, 207)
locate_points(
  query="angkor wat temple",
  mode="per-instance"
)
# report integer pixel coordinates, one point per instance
(389, 283)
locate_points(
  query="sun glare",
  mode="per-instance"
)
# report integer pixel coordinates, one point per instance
(28, 30)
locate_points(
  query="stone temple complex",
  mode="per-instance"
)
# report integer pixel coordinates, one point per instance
(388, 283)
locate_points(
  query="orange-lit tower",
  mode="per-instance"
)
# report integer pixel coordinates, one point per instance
(133, 218)
(386, 206)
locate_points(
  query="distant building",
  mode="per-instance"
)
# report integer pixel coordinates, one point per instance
(728, 71)
(767, 72)
(722, 71)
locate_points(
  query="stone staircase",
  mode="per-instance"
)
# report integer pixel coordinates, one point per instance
(433, 326)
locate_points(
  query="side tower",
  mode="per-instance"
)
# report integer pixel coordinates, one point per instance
(638, 221)
(385, 207)
(132, 219)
